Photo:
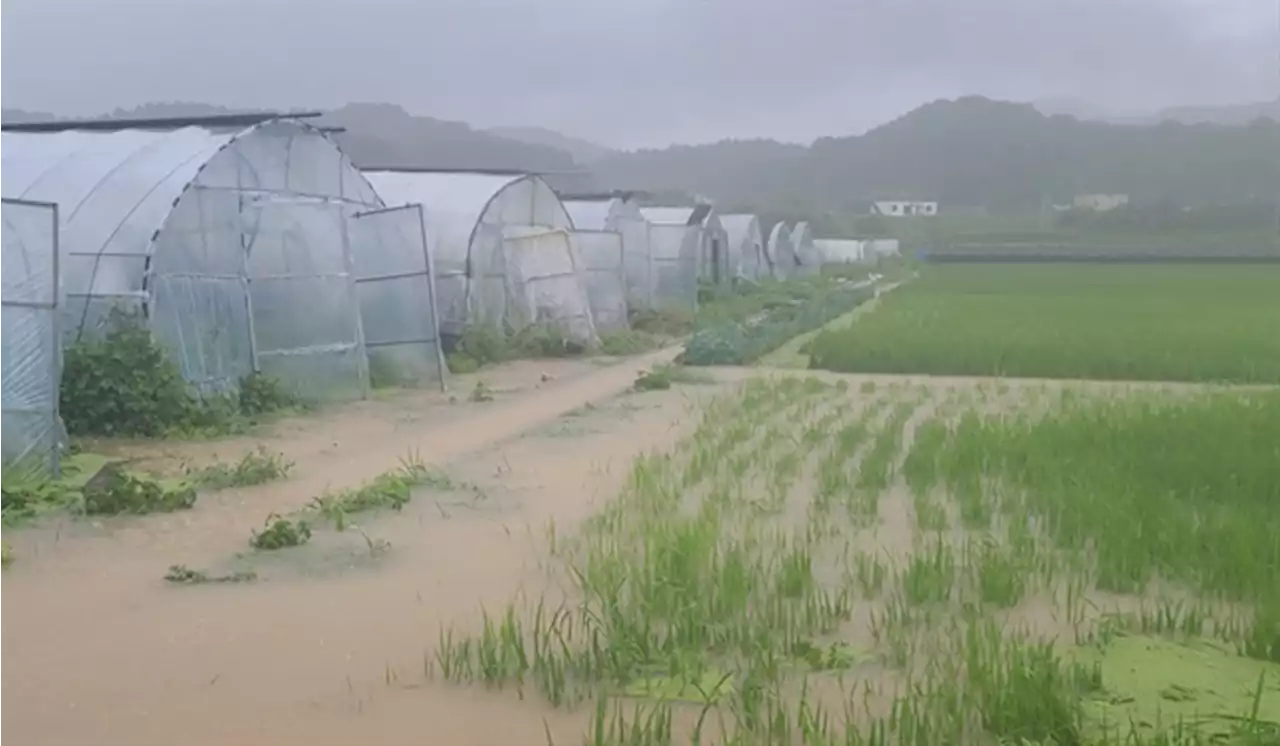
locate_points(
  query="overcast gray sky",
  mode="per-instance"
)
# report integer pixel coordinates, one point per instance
(639, 72)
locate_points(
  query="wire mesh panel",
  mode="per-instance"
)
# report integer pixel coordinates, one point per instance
(674, 251)
(544, 283)
(32, 358)
(395, 283)
(599, 255)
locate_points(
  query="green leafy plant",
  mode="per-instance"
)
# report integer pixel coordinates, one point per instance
(114, 491)
(256, 467)
(652, 380)
(281, 533)
(392, 490)
(125, 384)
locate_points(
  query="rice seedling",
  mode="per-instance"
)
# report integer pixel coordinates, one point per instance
(722, 597)
(1171, 323)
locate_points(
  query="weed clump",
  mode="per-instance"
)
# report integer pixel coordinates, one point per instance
(114, 491)
(256, 467)
(125, 384)
(393, 490)
(183, 575)
(281, 533)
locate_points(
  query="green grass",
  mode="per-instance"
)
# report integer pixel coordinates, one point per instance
(771, 579)
(1176, 323)
(259, 466)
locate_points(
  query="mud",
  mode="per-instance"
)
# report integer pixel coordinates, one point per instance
(328, 646)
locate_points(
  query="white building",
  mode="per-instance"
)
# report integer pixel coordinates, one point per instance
(1099, 202)
(903, 208)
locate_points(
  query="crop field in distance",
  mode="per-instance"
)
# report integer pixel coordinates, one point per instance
(837, 562)
(1119, 322)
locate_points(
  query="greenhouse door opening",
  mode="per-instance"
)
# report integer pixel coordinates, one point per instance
(305, 318)
(395, 281)
(545, 284)
(32, 355)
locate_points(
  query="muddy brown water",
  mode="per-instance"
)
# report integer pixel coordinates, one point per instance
(98, 649)
(328, 647)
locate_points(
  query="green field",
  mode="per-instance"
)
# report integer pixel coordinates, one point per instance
(1114, 322)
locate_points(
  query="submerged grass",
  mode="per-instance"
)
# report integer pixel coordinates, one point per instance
(821, 565)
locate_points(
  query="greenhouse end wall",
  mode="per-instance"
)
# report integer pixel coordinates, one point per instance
(32, 359)
(225, 240)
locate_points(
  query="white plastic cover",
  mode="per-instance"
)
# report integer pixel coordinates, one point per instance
(540, 283)
(746, 246)
(808, 262)
(599, 255)
(674, 251)
(468, 217)
(32, 360)
(224, 240)
(839, 250)
(591, 214)
(395, 283)
(782, 255)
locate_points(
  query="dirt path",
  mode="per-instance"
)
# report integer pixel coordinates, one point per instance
(99, 649)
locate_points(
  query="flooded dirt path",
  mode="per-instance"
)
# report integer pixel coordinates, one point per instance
(326, 647)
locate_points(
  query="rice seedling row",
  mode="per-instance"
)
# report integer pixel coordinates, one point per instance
(1161, 323)
(822, 563)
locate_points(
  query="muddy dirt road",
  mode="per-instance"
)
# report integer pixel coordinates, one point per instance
(328, 646)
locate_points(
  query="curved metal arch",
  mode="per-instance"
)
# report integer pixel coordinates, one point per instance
(302, 126)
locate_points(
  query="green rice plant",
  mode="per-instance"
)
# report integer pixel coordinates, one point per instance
(999, 576)
(1143, 322)
(930, 574)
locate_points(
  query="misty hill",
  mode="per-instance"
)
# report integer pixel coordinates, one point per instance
(1232, 114)
(738, 171)
(379, 135)
(973, 152)
(1238, 114)
(583, 151)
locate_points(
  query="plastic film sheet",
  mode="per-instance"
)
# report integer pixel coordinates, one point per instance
(544, 285)
(394, 280)
(600, 259)
(32, 350)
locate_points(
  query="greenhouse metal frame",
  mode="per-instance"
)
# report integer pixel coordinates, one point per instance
(32, 356)
(501, 246)
(395, 281)
(223, 237)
